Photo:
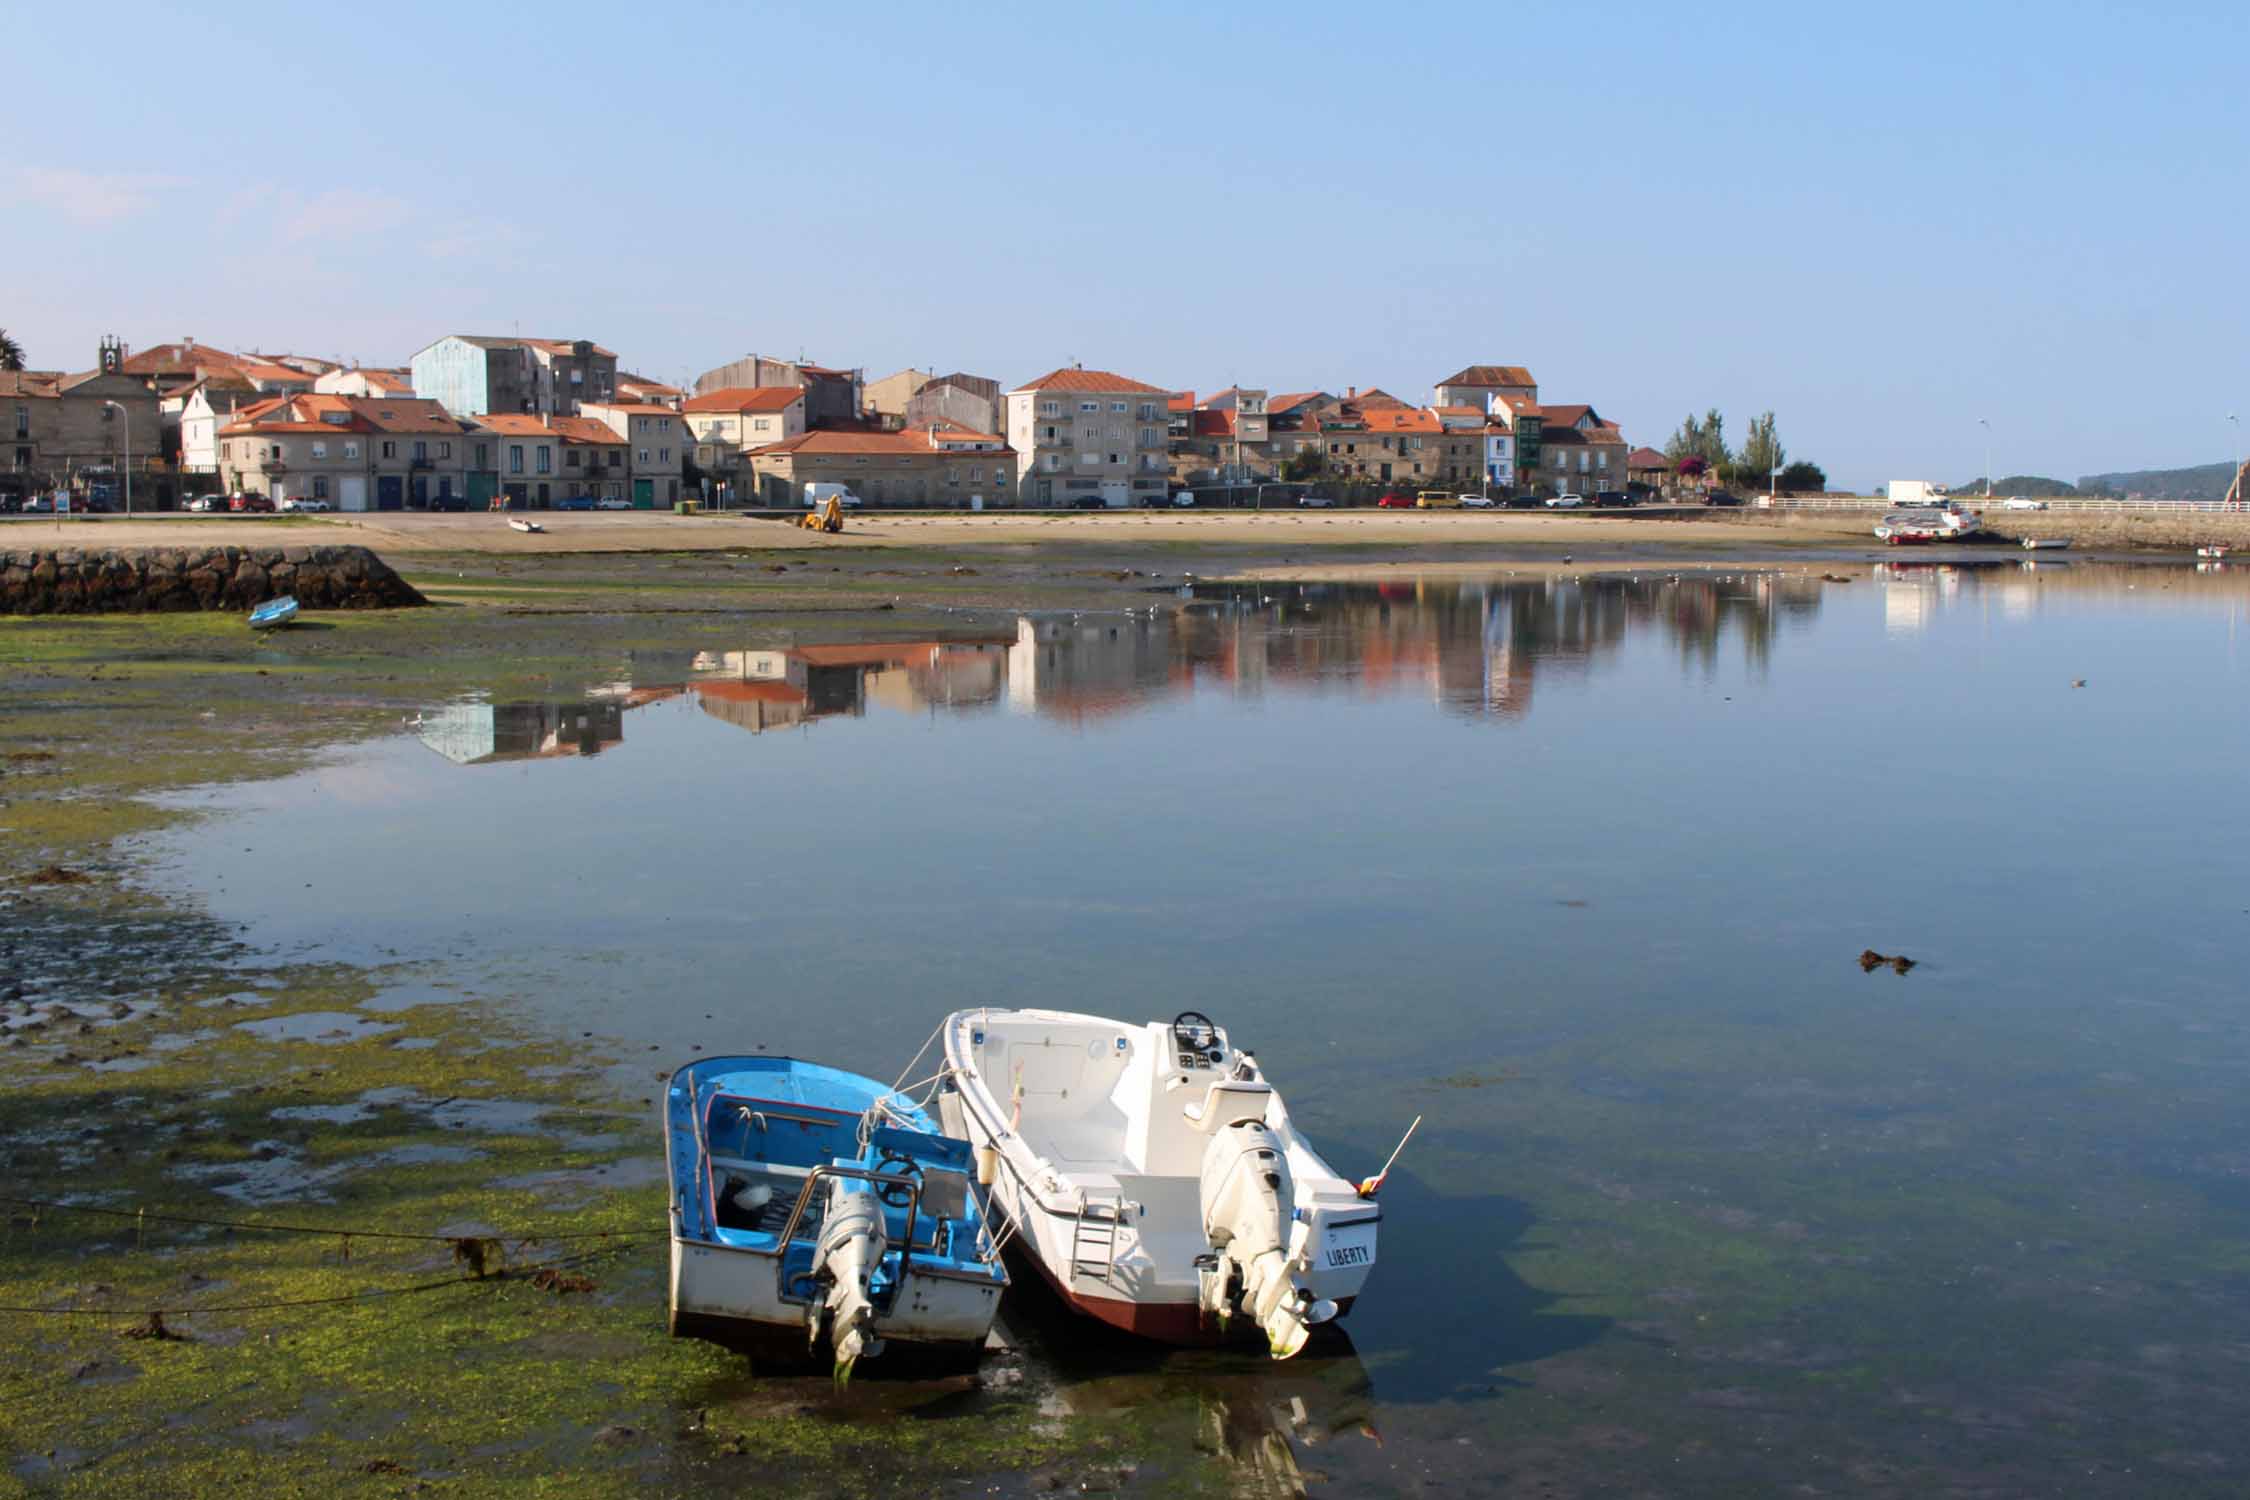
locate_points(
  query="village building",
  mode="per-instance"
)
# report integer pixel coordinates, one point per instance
(203, 408)
(364, 381)
(728, 423)
(962, 399)
(888, 397)
(84, 432)
(1477, 385)
(832, 397)
(649, 392)
(474, 374)
(1089, 435)
(657, 444)
(350, 452)
(938, 465)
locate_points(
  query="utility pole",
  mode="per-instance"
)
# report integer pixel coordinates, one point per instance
(1987, 426)
(125, 420)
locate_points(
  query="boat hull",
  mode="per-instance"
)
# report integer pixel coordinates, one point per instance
(719, 1291)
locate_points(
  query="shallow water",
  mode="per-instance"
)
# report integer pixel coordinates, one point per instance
(1579, 870)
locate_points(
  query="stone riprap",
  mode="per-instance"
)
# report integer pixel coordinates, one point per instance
(73, 581)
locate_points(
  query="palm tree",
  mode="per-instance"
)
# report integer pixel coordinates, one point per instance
(11, 352)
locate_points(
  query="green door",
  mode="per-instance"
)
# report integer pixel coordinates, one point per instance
(644, 494)
(482, 487)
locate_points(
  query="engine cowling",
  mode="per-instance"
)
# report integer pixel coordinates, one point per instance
(851, 1245)
(1247, 1199)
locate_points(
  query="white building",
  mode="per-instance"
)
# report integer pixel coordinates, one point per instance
(1086, 435)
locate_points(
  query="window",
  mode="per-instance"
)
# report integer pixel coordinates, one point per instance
(23, 421)
(390, 449)
(1148, 411)
(1148, 437)
(1046, 408)
(1116, 433)
(572, 458)
(351, 450)
(1118, 407)
(975, 475)
(320, 486)
(644, 455)
(952, 476)
(546, 459)
(664, 424)
(515, 458)
(616, 458)
(1054, 462)
(1601, 459)
(445, 450)
(484, 455)
(763, 424)
(1086, 406)
(421, 451)
(1117, 458)
(320, 450)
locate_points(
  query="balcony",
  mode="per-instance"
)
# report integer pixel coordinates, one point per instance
(420, 462)
(272, 466)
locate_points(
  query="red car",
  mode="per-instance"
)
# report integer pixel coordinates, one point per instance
(249, 502)
(1395, 501)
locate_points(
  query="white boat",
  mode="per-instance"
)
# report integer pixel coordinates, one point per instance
(1940, 521)
(2212, 551)
(2045, 543)
(1154, 1175)
(516, 523)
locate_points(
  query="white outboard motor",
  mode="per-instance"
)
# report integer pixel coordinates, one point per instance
(1247, 1201)
(852, 1242)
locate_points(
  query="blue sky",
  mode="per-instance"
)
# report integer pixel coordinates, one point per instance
(1882, 223)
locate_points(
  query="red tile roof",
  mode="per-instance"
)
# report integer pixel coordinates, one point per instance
(516, 424)
(904, 443)
(1182, 401)
(1092, 381)
(1488, 376)
(30, 383)
(175, 359)
(1290, 402)
(1400, 419)
(738, 398)
(586, 430)
(403, 414)
(1214, 424)
(297, 413)
(1646, 458)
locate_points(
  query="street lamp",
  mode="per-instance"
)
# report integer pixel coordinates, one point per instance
(2236, 486)
(1987, 426)
(126, 421)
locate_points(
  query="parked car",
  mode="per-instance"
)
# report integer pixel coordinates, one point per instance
(202, 504)
(1480, 502)
(1314, 502)
(2022, 502)
(1395, 501)
(1436, 500)
(1613, 498)
(39, 505)
(258, 503)
(575, 502)
(1722, 497)
(1184, 500)
(1089, 502)
(614, 502)
(1565, 501)
(304, 503)
(1157, 502)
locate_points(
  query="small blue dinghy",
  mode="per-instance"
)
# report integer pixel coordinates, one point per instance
(274, 613)
(819, 1205)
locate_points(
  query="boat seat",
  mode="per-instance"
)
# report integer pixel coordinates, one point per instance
(1226, 1101)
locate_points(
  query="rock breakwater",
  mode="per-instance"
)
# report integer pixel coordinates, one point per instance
(71, 580)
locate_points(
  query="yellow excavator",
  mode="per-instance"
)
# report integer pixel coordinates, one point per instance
(828, 518)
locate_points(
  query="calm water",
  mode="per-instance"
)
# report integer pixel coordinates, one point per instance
(1578, 870)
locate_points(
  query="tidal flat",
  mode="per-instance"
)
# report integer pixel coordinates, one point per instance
(1699, 1208)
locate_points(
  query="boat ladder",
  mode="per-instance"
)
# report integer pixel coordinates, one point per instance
(1093, 1238)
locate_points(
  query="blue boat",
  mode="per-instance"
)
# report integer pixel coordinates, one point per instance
(274, 613)
(811, 1206)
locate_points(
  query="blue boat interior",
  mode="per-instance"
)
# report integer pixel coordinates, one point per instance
(748, 1133)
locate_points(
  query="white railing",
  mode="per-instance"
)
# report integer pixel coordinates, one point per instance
(1996, 503)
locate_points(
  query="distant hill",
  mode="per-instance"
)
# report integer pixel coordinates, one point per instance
(2037, 485)
(2203, 482)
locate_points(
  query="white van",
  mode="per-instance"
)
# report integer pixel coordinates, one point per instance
(820, 492)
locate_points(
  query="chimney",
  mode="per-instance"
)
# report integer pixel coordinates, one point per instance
(1351, 392)
(188, 343)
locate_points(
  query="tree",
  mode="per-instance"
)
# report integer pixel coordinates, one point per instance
(1704, 439)
(1762, 452)
(1305, 463)
(1691, 467)
(1802, 478)
(11, 352)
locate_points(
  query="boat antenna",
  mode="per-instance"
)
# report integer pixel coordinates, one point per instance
(1370, 1186)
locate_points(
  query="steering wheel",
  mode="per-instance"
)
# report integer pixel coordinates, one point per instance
(1195, 1031)
(896, 1164)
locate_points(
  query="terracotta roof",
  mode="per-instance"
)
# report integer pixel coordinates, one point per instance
(906, 442)
(401, 413)
(1567, 415)
(1458, 411)
(1551, 436)
(395, 382)
(1400, 419)
(515, 424)
(267, 370)
(1374, 395)
(586, 430)
(746, 398)
(1214, 424)
(1276, 405)
(298, 413)
(644, 385)
(1079, 379)
(1488, 376)
(1180, 401)
(634, 408)
(175, 359)
(30, 382)
(1646, 458)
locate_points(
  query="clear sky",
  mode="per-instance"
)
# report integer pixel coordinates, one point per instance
(1881, 222)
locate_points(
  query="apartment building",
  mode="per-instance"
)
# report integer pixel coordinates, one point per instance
(832, 397)
(726, 424)
(476, 374)
(1477, 385)
(1084, 434)
(62, 430)
(352, 452)
(656, 443)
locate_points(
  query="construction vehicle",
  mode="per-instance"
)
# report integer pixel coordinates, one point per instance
(829, 518)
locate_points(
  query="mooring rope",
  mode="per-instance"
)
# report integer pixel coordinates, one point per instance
(140, 1215)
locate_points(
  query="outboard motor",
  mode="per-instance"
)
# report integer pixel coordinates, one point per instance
(1247, 1202)
(851, 1245)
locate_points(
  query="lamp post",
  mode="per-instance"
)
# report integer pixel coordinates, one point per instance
(2235, 487)
(125, 420)
(1987, 426)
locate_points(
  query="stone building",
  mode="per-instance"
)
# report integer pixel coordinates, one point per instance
(888, 396)
(969, 401)
(1478, 384)
(935, 465)
(1088, 434)
(83, 432)
(656, 441)
(728, 423)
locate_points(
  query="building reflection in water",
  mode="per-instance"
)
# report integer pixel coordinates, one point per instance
(1473, 647)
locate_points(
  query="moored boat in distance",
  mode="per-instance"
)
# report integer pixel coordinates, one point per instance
(2045, 543)
(1938, 521)
(812, 1205)
(274, 613)
(518, 523)
(2212, 551)
(1154, 1174)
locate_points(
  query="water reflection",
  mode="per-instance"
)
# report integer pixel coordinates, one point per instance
(1477, 648)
